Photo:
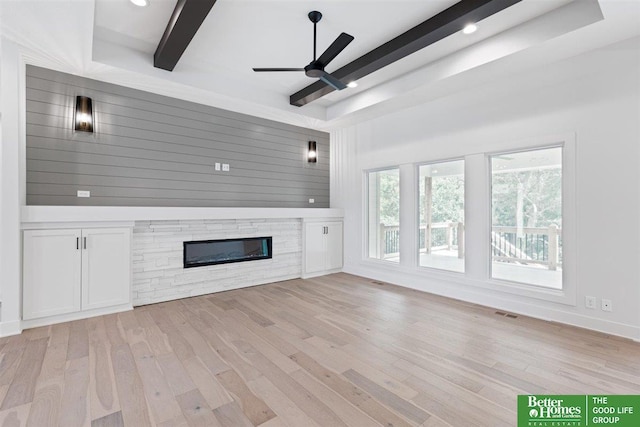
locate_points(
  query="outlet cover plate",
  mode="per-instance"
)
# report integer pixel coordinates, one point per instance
(590, 302)
(607, 305)
(84, 193)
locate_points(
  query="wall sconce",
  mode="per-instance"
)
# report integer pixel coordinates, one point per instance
(312, 154)
(83, 120)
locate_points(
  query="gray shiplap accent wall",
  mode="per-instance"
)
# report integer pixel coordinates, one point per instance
(152, 150)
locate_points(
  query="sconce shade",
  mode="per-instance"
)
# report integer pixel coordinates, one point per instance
(312, 154)
(83, 120)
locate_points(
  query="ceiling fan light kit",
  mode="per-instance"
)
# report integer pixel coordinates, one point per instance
(316, 68)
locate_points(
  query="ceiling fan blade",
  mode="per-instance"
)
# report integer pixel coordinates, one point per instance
(332, 81)
(259, 70)
(336, 47)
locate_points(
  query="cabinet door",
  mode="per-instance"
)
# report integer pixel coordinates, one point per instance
(51, 272)
(106, 267)
(314, 247)
(334, 245)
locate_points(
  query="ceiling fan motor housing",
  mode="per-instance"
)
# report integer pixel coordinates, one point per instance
(314, 69)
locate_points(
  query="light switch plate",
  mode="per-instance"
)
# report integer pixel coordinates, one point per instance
(225, 167)
(84, 193)
(312, 200)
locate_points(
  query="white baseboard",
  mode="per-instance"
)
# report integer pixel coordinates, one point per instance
(10, 328)
(468, 293)
(45, 321)
(320, 273)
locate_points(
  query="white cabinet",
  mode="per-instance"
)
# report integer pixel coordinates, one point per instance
(51, 273)
(106, 268)
(322, 249)
(73, 270)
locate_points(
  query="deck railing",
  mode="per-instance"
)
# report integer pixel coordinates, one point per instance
(527, 245)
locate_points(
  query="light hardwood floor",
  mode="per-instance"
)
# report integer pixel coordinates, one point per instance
(332, 351)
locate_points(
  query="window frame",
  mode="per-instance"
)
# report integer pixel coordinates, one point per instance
(417, 213)
(567, 295)
(478, 259)
(365, 252)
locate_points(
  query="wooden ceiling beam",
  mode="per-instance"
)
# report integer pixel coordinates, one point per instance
(436, 28)
(185, 21)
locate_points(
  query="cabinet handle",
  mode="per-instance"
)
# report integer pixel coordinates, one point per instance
(85, 243)
(77, 243)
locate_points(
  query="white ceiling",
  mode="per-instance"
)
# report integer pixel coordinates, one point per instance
(113, 40)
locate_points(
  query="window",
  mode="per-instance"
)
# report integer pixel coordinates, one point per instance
(384, 214)
(526, 217)
(441, 207)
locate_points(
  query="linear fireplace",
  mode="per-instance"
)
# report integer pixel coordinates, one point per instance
(210, 252)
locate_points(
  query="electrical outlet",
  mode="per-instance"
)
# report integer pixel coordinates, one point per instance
(312, 200)
(225, 167)
(217, 166)
(82, 193)
(590, 302)
(607, 305)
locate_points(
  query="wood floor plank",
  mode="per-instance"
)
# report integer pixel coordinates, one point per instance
(78, 340)
(196, 410)
(287, 410)
(23, 386)
(176, 375)
(401, 406)
(46, 405)
(129, 385)
(357, 396)
(75, 399)
(255, 409)
(197, 343)
(111, 420)
(178, 344)
(154, 336)
(231, 415)
(329, 351)
(212, 335)
(347, 412)
(215, 394)
(376, 372)
(102, 385)
(50, 384)
(8, 367)
(15, 417)
(250, 313)
(159, 396)
(292, 389)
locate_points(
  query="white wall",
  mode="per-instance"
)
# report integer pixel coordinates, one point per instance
(10, 151)
(594, 96)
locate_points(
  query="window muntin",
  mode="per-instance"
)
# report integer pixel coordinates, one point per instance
(441, 215)
(383, 214)
(526, 217)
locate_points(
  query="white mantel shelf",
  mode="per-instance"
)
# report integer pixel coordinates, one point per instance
(72, 214)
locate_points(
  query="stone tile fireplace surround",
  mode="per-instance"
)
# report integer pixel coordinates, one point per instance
(158, 273)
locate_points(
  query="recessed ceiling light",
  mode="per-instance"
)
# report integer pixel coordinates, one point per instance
(471, 28)
(141, 3)
(352, 84)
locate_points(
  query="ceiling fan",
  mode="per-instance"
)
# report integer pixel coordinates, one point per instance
(316, 67)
